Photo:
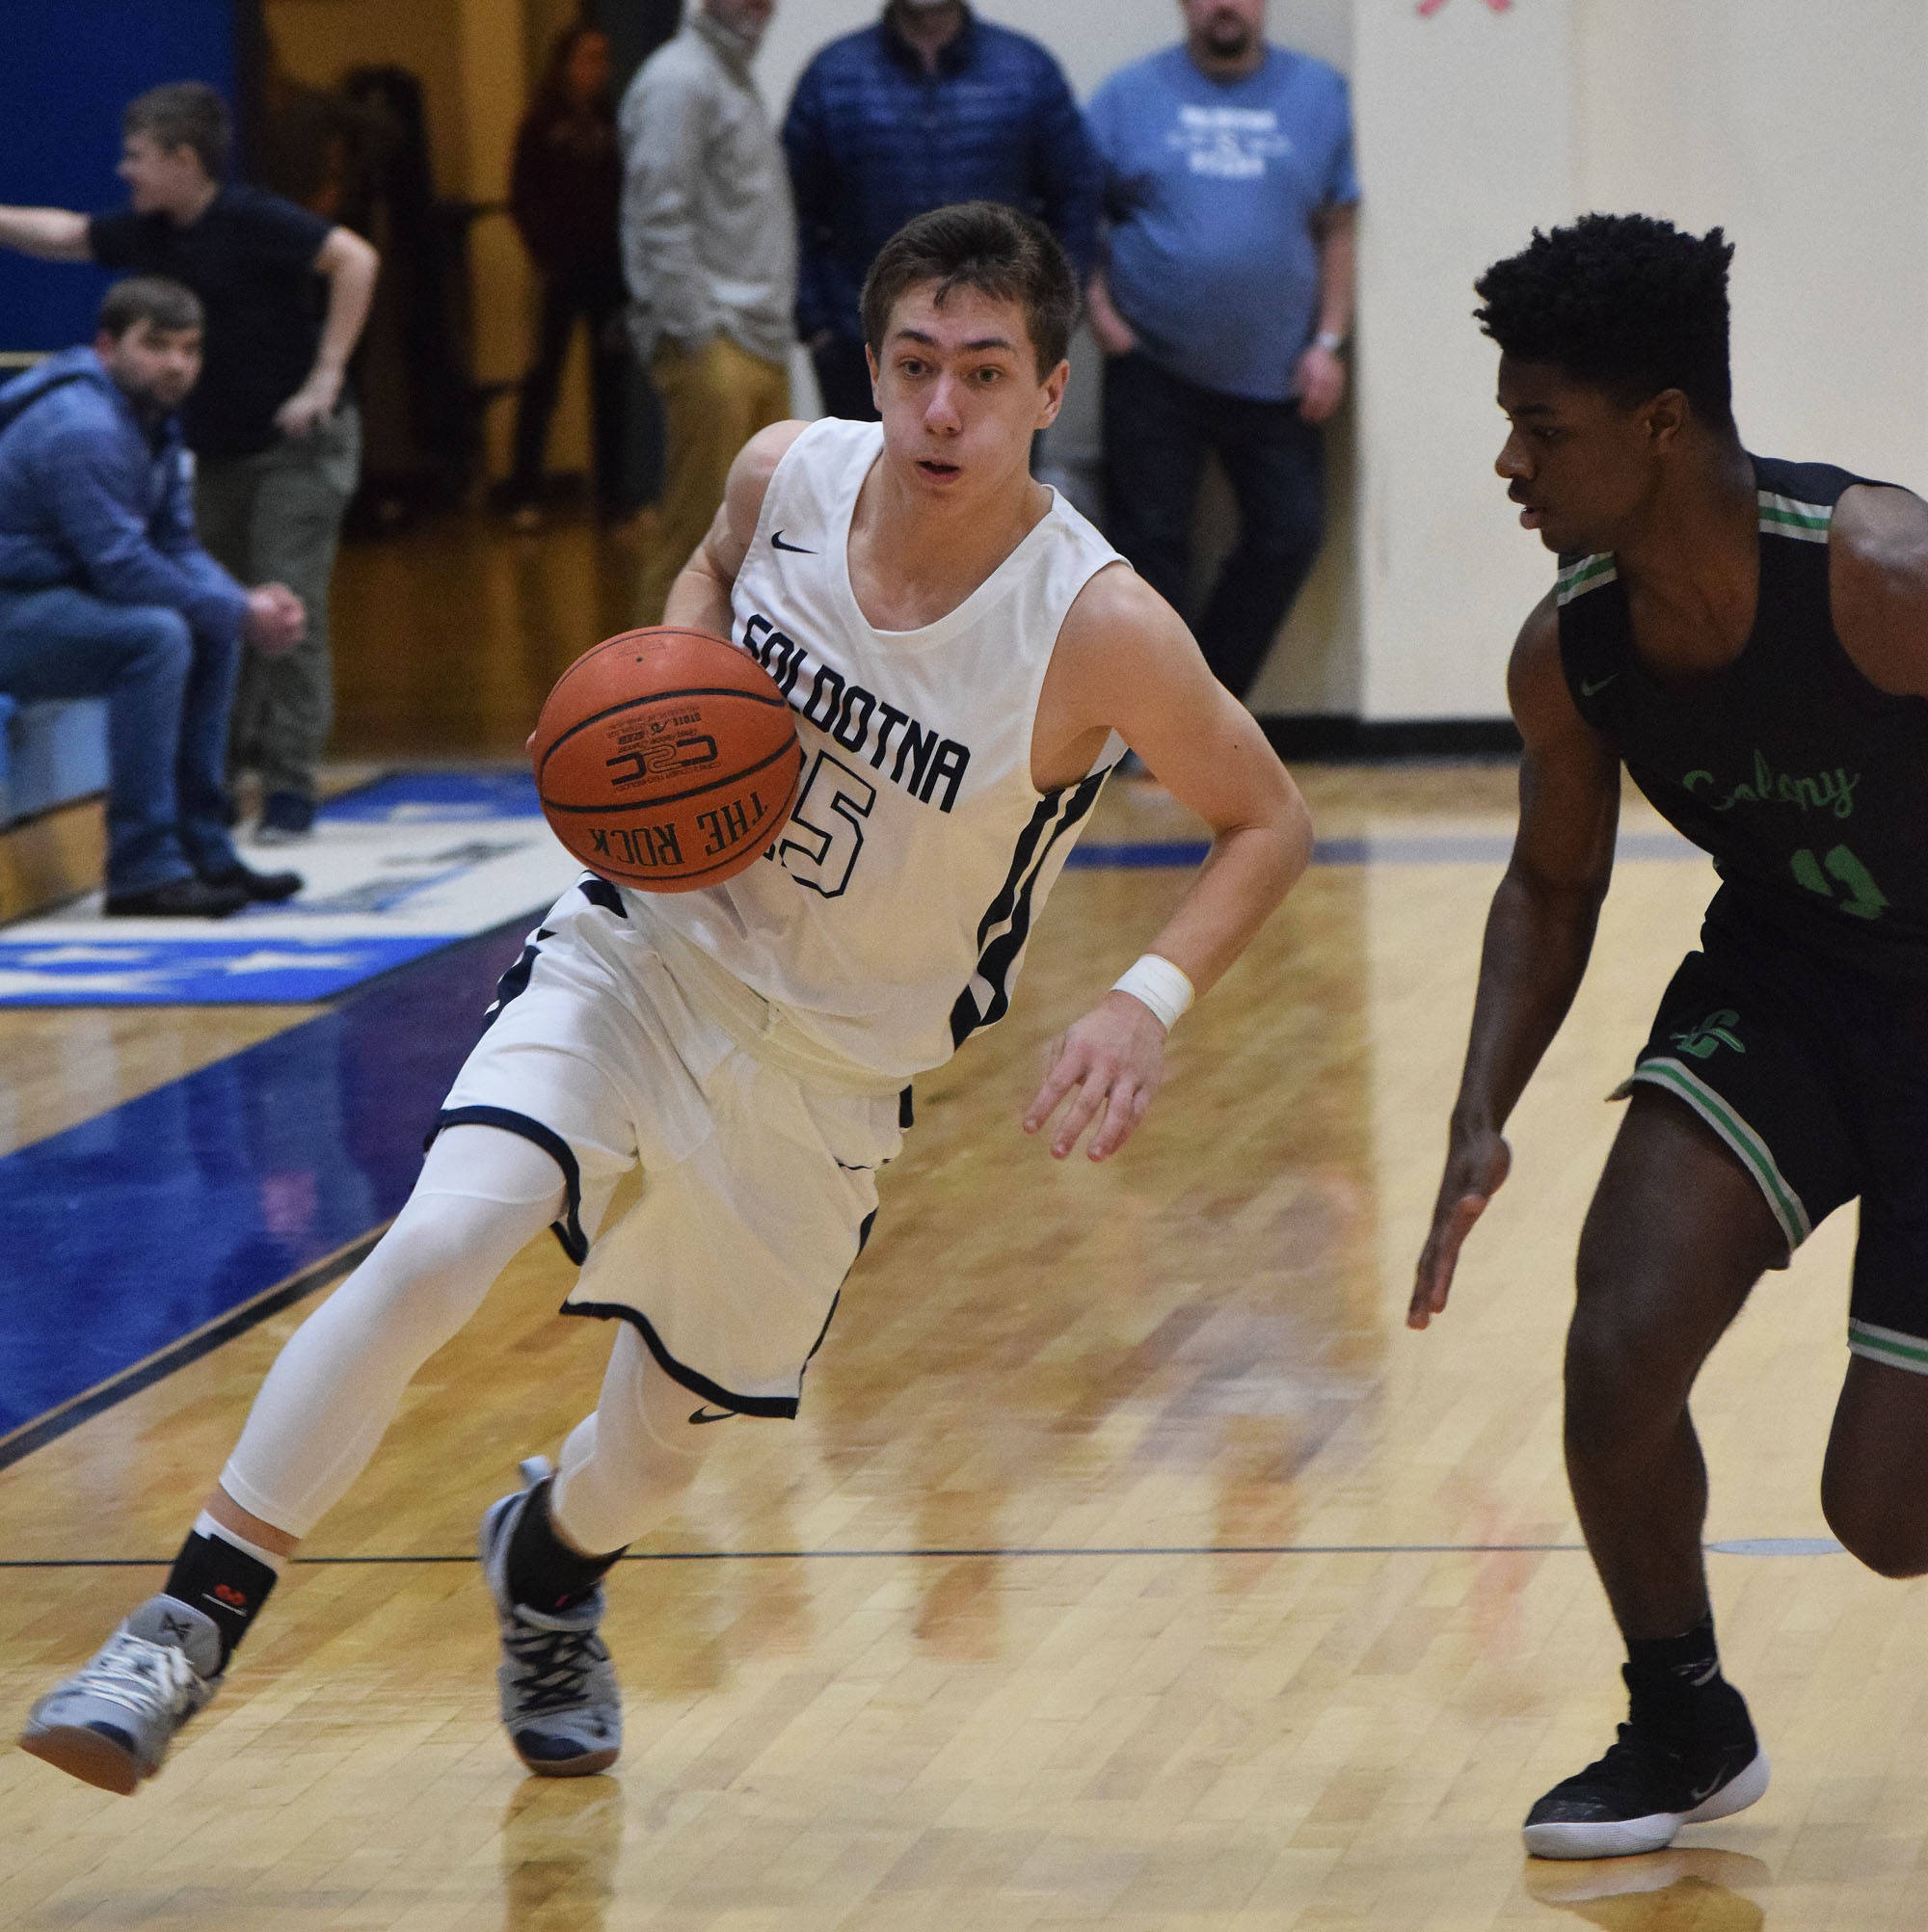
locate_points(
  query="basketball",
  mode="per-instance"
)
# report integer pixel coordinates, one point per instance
(665, 760)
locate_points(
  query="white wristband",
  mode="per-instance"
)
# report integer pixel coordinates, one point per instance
(1155, 982)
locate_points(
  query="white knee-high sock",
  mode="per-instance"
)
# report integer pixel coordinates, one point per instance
(334, 1388)
(622, 1467)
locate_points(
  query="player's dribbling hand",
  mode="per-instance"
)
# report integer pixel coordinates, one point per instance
(1109, 1064)
(1477, 1164)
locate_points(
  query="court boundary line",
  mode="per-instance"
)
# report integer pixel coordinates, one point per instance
(964, 1552)
(40, 1430)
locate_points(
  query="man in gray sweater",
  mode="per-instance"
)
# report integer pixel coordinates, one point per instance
(710, 253)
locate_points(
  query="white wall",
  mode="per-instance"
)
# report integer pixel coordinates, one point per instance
(1802, 132)
(1465, 143)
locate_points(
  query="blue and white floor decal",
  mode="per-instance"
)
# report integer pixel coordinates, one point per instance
(398, 868)
(141, 1238)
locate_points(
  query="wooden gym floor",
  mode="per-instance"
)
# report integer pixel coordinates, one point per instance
(1131, 1565)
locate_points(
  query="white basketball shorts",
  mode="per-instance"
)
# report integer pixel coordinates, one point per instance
(758, 1187)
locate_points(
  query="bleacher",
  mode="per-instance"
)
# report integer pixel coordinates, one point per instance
(50, 754)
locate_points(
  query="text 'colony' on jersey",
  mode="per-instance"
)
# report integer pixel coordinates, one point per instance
(889, 918)
(1807, 783)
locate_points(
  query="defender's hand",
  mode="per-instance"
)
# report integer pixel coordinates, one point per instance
(1477, 1166)
(1111, 1063)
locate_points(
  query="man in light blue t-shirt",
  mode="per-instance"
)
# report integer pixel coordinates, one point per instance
(1222, 305)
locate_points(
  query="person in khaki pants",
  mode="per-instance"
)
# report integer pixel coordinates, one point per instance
(710, 256)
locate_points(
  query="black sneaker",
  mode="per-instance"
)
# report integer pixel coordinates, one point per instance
(261, 888)
(1659, 1774)
(178, 899)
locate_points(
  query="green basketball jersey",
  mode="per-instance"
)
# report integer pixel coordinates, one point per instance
(1807, 784)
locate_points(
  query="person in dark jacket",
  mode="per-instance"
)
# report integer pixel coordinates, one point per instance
(105, 591)
(565, 192)
(930, 106)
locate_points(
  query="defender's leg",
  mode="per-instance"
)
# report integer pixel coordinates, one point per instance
(1679, 1233)
(1676, 1236)
(1874, 1486)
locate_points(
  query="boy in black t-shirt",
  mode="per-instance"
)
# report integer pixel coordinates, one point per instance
(277, 443)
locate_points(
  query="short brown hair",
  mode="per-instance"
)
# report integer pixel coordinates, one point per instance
(184, 114)
(981, 245)
(152, 299)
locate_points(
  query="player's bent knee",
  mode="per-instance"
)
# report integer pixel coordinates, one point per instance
(1885, 1542)
(1875, 1518)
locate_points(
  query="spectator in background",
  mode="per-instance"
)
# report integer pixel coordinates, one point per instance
(929, 107)
(104, 591)
(1225, 298)
(565, 192)
(710, 253)
(277, 443)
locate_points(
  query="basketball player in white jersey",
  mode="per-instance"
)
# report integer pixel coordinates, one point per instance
(966, 658)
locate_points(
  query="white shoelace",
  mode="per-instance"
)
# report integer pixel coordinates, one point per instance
(142, 1676)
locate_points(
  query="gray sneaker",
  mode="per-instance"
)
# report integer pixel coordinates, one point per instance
(560, 1703)
(110, 1723)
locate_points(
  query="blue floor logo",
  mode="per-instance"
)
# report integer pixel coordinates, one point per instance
(395, 870)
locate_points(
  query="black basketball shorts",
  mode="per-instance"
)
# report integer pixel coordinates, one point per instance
(1817, 1080)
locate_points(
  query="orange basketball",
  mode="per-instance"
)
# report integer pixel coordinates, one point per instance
(666, 760)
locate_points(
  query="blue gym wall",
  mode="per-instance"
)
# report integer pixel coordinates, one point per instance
(66, 69)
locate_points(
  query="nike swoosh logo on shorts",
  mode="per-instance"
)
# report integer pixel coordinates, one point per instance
(777, 544)
(1588, 690)
(711, 1414)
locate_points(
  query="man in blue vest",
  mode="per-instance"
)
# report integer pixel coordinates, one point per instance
(105, 591)
(929, 107)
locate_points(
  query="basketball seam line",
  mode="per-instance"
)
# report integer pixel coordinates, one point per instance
(680, 798)
(661, 698)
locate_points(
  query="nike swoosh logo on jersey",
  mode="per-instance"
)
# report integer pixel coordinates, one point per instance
(711, 1414)
(1587, 688)
(777, 544)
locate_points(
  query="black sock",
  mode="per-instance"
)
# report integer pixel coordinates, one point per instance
(542, 1570)
(227, 1585)
(1677, 1665)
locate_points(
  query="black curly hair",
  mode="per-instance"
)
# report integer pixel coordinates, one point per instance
(1622, 303)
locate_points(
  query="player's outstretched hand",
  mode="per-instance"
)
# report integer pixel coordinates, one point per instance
(1477, 1166)
(1108, 1065)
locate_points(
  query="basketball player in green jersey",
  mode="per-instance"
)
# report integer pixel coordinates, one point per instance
(1750, 639)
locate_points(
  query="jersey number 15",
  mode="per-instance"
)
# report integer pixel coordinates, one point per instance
(819, 846)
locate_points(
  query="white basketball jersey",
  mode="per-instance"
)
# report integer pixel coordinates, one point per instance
(889, 918)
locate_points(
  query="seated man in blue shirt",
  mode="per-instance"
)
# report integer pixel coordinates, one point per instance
(929, 107)
(1225, 298)
(105, 592)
